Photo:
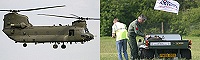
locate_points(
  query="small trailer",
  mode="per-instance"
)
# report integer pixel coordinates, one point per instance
(165, 46)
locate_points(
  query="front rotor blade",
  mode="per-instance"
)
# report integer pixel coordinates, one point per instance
(5, 10)
(11, 10)
(57, 16)
(81, 18)
(42, 8)
(74, 15)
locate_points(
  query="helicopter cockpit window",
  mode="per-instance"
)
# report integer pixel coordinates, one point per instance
(71, 32)
(86, 30)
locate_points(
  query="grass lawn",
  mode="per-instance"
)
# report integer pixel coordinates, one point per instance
(108, 48)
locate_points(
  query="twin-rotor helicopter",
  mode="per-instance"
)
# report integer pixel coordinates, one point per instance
(18, 28)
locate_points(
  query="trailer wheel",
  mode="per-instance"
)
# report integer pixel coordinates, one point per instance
(149, 53)
(186, 53)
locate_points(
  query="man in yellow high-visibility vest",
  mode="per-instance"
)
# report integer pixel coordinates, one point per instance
(119, 31)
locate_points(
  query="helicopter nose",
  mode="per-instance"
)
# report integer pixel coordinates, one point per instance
(91, 36)
(87, 37)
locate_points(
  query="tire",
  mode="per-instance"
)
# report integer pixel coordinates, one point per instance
(55, 46)
(186, 53)
(63, 46)
(149, 53)
(24, 45)
(142, 54)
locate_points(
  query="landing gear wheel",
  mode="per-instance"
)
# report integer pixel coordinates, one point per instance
(24, 45)
(63, 46)
(82, 42)
(55, 46)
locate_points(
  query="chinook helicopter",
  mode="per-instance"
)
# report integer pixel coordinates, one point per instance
(18, 28)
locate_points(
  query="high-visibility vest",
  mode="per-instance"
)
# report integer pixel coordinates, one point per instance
(120, 30)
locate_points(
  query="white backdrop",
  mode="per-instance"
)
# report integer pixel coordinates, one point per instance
(85, 8)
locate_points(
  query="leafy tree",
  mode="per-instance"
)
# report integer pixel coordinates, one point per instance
(128, 10)
(192, 19)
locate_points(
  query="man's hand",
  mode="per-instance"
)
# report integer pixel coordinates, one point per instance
(113, 35)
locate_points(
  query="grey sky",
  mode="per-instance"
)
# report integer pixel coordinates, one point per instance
(84, 8)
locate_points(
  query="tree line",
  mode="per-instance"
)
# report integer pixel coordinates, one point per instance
(187, 22)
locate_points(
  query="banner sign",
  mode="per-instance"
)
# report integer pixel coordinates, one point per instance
(167, 5)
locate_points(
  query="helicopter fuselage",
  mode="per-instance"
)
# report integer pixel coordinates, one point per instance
(18, 28)
(41, 34)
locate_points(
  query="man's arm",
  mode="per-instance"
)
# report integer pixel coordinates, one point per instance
(113, 31)
(137, 31)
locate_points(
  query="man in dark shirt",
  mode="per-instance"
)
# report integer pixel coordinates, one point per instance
(133, 31)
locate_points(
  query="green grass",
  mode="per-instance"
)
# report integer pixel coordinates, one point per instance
(195, 47)
(108, 48)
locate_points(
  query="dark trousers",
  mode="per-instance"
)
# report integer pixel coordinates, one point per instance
(133, 47)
